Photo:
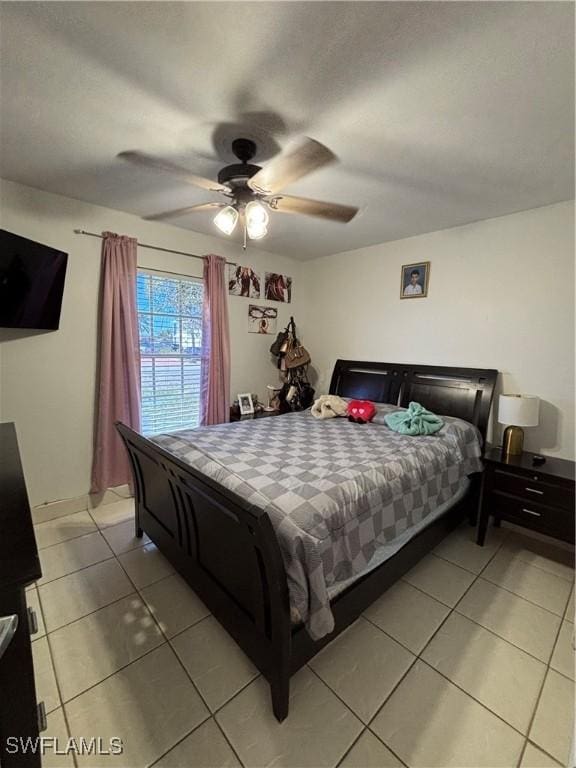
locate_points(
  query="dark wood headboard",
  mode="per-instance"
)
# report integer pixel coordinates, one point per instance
(466, 393)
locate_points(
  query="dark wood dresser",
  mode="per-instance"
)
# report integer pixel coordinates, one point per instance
(539, 497)
(19, 567)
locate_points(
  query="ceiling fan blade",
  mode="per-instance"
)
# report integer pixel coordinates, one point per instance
(330, 211)
(149, 161)
(183, 211)
(286, 168)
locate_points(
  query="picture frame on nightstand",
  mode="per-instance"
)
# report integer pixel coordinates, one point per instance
(246, 404)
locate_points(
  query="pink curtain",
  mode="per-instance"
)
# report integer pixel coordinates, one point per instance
(215, 404)
(118, 393)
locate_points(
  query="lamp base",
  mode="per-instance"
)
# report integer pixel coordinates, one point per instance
(513, 441)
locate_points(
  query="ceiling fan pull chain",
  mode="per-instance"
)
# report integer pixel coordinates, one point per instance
(244, 244)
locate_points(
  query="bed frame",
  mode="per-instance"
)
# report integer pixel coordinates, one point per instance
(228, 551)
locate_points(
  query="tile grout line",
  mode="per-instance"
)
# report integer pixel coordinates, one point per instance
(57, 681)
(75, 498)
(498, 551)
(77, 570)
(233, 696)
(85, 567)
(378, 739)
(180, 662)
(91, 613)
(479, 576)
(227, 740)
(495, 634)
(125, 666)
(136, 591)
(112, 602)
(71, 538)
(493, 583)
(452, 609)
(522, 751)
(181, 631)
(512, 534)
(351, 747)
(547, 666)
(97, 529)
(419, 655)
(211, 715)
(51, 652)
(537, 746)
(547, 672)
(355, 714)
(107, 677)
(468, 618)
(365, 726)
(167, 640)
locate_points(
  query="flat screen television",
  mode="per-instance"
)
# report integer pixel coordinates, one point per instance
(31, 283)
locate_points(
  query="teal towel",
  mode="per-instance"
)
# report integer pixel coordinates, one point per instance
(415, 420)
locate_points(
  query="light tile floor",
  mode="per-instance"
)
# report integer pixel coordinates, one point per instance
(467, 661)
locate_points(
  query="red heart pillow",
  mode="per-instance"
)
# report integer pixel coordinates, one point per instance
(361, 411)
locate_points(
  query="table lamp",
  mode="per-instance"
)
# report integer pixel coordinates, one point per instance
(517, 411)
(272, 397)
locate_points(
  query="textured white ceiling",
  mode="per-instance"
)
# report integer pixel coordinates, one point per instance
(441, 113)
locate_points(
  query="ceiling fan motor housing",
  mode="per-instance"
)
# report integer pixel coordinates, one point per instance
(239, 173)
(244, 149)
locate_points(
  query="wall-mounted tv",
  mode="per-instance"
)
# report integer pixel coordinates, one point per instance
(31, 283)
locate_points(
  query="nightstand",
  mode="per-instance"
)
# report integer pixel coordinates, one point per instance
(235, 415)
(537, 497)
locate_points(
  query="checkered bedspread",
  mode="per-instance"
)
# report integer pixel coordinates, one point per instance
(334, 491)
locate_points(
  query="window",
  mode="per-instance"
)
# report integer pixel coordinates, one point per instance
(170, 323)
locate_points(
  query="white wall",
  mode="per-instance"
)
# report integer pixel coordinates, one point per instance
(47, 379)
(501, 296)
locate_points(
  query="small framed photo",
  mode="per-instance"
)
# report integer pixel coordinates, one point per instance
(246, 404)
(414, 280)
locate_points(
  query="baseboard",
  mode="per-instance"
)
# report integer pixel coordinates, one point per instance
(54, 509)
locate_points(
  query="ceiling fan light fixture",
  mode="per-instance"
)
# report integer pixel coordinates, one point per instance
(256, 217)
(226, 220)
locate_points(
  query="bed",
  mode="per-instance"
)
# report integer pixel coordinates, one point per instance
(270, 541)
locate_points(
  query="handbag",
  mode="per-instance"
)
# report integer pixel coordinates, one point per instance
(296, 355)
(281, 339)
(301, 396)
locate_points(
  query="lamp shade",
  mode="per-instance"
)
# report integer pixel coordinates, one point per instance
(519, 410)
(226, 219)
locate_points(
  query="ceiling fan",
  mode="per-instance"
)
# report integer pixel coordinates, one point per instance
(253, 190)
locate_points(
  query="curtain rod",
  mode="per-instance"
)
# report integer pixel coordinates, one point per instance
(152, 247)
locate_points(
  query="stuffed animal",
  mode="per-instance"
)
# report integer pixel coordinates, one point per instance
(329, 406)
(361, 411)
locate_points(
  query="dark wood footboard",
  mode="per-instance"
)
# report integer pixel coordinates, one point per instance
(225, 549)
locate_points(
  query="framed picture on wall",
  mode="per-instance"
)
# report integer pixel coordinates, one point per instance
(262, 319)
(277, 287)
(243, 281)
(414, 280)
